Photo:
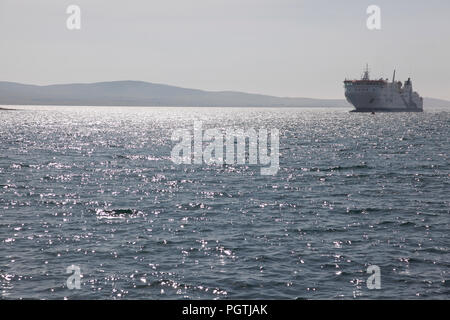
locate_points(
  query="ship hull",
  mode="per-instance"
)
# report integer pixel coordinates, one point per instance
(386, 110)
(375, 103)
(382, 98)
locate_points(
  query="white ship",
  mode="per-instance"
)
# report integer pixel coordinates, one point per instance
(368, 95)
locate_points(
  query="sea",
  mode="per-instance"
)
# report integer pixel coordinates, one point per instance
(93, 207)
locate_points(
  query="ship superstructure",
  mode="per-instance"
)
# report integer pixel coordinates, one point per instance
(368, 95)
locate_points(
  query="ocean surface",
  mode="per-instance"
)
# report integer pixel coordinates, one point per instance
(95, 187)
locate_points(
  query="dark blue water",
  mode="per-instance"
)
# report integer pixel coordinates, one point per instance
(95, 188)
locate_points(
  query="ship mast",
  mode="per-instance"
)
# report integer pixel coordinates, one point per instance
(366, 73)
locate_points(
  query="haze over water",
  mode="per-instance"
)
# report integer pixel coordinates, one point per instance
(95, 187)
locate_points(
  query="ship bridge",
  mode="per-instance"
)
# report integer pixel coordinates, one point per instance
(365, 80)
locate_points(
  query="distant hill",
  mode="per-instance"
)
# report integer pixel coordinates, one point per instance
(431, 103)
(139, 93)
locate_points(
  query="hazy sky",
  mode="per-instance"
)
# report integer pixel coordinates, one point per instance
(301, 48)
